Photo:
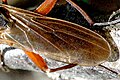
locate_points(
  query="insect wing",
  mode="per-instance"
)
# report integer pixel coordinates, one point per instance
(56, 39)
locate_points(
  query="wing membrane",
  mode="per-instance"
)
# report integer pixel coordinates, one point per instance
(57, 39)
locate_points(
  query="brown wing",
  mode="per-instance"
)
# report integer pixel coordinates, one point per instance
(56, 39)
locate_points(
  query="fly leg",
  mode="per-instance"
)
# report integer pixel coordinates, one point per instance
(39, 61)
(84, 14)
(46, 7)
(109, 69)
(63, 67)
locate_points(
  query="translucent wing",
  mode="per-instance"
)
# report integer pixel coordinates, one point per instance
(56, 39)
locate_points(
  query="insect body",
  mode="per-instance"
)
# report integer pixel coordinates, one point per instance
(55, 38)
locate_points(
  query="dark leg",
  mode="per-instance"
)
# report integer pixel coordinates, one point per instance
(108, 69)
(63, 67)
(81, 11)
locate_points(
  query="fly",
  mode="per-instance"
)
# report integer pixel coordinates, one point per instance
(56, 39)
